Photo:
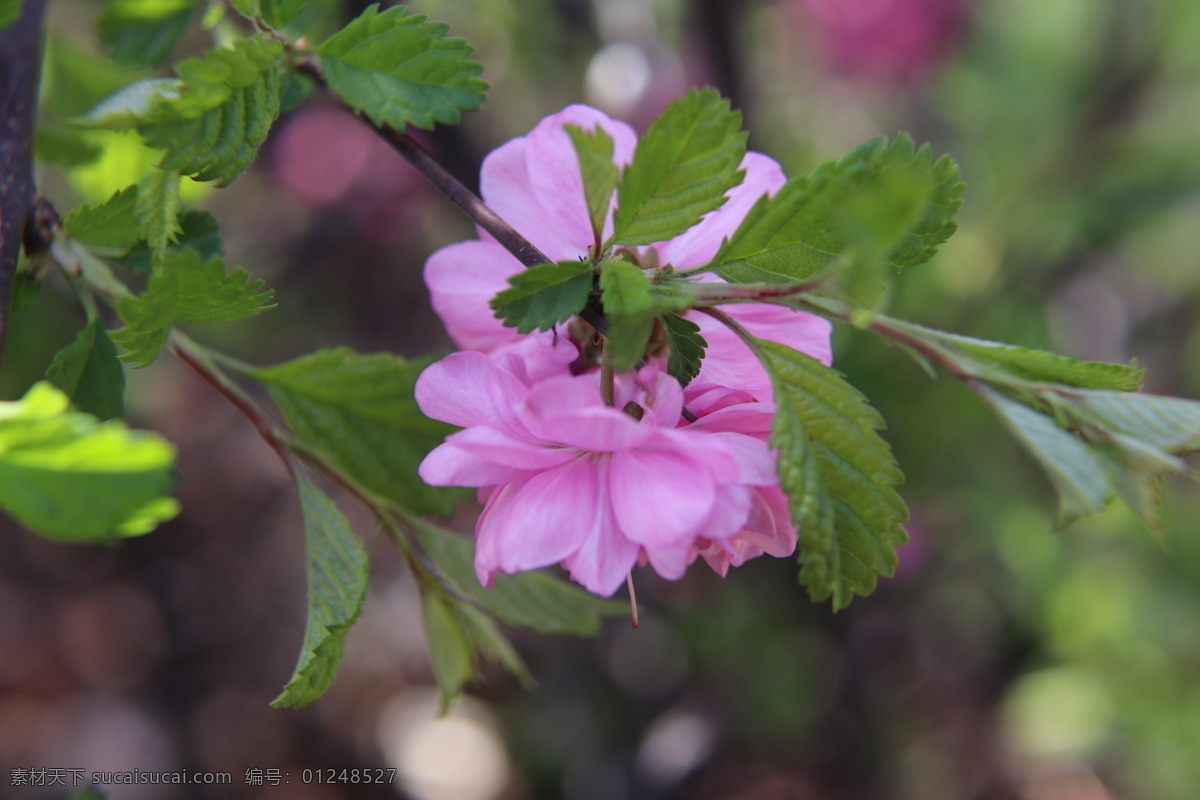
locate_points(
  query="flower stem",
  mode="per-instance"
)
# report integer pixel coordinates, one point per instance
(607, 385)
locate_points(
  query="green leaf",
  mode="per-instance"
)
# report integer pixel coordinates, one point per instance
(631, 303)
(112, 223)
(88, 372)
(337, 588)
(687, 347)
(157, 210)
(185, 289)
(401, 70)
(1079, 475)
(1169, 424)
(595, 152)
(808, 224)
(143, 32)
(1038, 365)
(544, 295)
(493, 644)
(64, 147)
(358, 412)
(212, 119)
(681, 170)
(198, 231)
(838, 474)
(71, 478)
(534, 600)
(10, 12)
(450, 652)
(276, 13)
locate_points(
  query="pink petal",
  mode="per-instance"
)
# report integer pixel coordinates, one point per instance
(671, 561)
(468, 389)
(798, 330)
(506, 186)
(450, 465)
(462, 280)
(730, 511)
(699, 244)
(538, 356)
(660, 497)
(554, 171)
(500, 448)
(570, 411)
(605, 556)
(540, 521)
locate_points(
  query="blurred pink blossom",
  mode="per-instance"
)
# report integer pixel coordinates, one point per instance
(882, 40)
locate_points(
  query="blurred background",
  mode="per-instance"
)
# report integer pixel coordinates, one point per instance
(1005, 660)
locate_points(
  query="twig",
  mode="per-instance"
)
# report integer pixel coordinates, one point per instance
(20, 60)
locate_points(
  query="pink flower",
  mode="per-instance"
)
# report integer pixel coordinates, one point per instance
(569, 479)
(534, 183)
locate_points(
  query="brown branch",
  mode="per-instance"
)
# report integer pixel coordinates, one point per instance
(455, 191)
(20, 61)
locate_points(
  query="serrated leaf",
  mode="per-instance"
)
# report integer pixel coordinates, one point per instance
(88, 372)
(631, 303)
(450, 653)
(358, 412)
(112, 223)
(185, 289)
(337, 588)
(1039, 365)
(210, 121)
(143, 32)
(534, 600)
(493, 644)
(198, 231)
(1078, 474)
(279, 13)
(157, 210)
(1170, 424)
(69, 477)
(838, 474)
(681, 169)
(686, 345)
(401, 70)
(544, 295)
(801, 230)
(595, 152)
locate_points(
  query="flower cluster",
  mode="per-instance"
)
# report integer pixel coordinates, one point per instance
(563, 475)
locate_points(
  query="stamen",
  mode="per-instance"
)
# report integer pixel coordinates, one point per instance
(634, 410)
(633, 609)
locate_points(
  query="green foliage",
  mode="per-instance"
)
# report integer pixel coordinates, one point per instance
(276, 13)
(1083, 483)
(1170, 424)
(686, 345)
(1038, 365)
(337, 587)
(113, 223)
(212, 119)
(63, 147)
(400, 70)
(838, 474)
(681, 170)
(143, 32)
(450, 652)
(631, 303)
(89, 373)
(544, 295)
(10, 12)
(198, 231)
(815, 219)
(534, 600)
(68, 477)
(358, 413)
(595, 152)
(185, 289)
(157, 210)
